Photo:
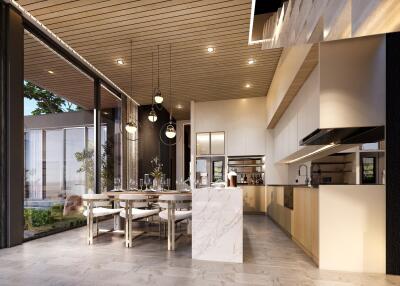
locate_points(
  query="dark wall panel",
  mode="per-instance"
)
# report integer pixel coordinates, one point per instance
(393, 153)
(11, 126)
(150, 145)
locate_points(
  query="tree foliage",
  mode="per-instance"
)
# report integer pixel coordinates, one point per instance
(86, 158)
(46, 101)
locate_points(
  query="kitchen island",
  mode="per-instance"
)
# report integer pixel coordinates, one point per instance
(217, 224)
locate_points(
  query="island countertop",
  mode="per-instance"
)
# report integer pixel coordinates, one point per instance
(217, 224)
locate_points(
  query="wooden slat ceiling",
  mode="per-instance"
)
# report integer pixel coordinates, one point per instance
(65, 81)
(101, 32)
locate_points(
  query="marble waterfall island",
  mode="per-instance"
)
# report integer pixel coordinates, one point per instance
(217, 224)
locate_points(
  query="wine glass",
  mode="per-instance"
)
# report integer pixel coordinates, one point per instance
(117, 184)
(147, 181)
(141, 184)
(168, 183)
(132, 184)
(162, 182)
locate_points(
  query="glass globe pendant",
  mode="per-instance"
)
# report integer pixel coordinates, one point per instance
(170, 131)
(152, 115)
(158, 97)
(131, 127)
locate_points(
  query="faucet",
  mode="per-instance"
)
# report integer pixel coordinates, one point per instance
(307, 181)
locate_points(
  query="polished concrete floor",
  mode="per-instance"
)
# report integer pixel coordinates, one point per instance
(271, 258)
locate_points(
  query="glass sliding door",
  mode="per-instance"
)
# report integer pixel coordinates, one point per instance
(111, 141)
(54, 159)
(59, 153)
(75, 168)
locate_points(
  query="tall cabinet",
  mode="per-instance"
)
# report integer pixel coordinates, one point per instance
(210, 158)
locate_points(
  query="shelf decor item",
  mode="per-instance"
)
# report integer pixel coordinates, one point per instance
(157, 173)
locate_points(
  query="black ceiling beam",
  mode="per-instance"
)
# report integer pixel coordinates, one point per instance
(267, 6)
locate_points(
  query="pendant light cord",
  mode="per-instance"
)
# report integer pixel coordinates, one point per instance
(152, 84)
(170, 82)
(131, 68)
(130, 115)
(158, 67)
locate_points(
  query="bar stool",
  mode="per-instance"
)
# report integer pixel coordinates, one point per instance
(133, 210)
(97, 206)
(174, 203)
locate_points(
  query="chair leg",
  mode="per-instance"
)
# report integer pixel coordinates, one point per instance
(173, 228)
(90, 224)
(128, 225)
(159, 230)
(97, 227)
(169, 229)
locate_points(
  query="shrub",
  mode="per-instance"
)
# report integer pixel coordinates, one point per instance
(37, 217)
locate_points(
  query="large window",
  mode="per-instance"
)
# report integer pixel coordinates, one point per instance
(59, 153)
(111, 145)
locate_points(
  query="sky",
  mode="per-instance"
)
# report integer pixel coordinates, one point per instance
(29, 106)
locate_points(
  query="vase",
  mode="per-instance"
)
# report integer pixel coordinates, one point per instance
(157, 184)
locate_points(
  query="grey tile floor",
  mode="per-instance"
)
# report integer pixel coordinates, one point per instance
(271, 258)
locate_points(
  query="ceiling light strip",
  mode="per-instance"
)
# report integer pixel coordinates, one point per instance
(313, 153)
(29, 17)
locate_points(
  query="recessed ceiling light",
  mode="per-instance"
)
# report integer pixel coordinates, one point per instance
(120, 61)
(251, 61)
(50, 72)
(211, 49)
(248, 85)
(179, 106)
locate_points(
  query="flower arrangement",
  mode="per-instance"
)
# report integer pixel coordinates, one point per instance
(157, 168)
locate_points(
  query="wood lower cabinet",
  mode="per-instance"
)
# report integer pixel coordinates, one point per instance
(276, 210)
(254, 199)
(301, 223)
(305, 220)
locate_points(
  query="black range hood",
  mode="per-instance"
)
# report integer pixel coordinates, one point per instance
(348, 135)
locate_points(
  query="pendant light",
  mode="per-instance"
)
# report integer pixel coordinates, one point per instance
(152, 114)
(131, 126)
(170, 131)
(157, 93)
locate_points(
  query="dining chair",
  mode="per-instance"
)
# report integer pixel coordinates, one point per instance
(177, 209)
(134, 209)
(97, 206)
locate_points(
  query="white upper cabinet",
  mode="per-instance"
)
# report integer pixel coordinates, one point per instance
(242, 120)
(300, 119)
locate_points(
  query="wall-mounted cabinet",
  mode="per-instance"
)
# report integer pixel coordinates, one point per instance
(346, 89)
(242, 120)
(301, 118)
(210, 143)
